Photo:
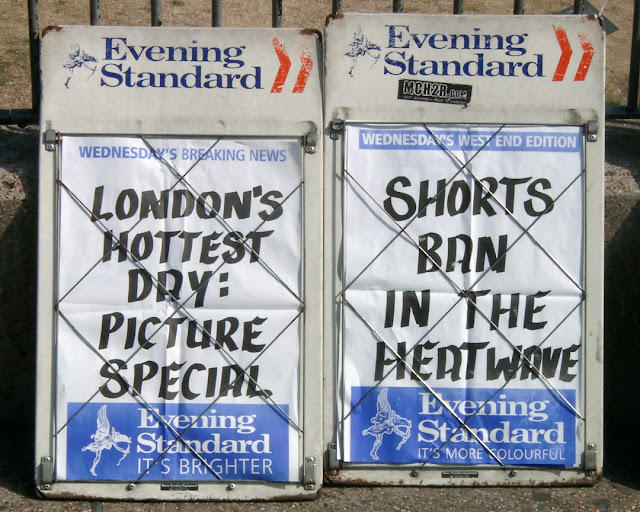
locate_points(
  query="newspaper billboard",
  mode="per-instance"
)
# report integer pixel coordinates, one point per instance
(174, 356)
(204, 355)
(467, 185)
(451, 281)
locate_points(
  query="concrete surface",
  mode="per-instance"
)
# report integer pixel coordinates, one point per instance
(619, 489)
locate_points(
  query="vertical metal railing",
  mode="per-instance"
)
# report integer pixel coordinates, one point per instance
(518, 6)
(94, 14)
(34, 53)
(216, 13)
(634, 63)
(156, 13)
(26, 116)
(276, 13)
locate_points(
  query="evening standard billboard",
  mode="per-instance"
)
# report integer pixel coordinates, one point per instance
(466, 305)
(175, 225)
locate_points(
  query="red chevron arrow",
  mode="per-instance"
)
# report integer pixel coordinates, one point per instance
(585, 62)
(565, 57)
(285, 65)
(307, 64)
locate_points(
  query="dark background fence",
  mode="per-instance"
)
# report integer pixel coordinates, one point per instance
(31, 116)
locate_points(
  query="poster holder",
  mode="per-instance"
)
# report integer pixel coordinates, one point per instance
(464, 205)
(179, 304)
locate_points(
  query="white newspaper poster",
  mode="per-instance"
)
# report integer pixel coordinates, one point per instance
(463, 264)
(179, 310)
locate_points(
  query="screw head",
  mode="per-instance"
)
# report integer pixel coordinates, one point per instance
(309, 487)
(333, 472)
(231, 486)
(513, 473)
(46, 487)
(131, 487)
(415, 473)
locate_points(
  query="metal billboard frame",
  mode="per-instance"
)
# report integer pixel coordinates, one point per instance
(373, 103)
(293, 116)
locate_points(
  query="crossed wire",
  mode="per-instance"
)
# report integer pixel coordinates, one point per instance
(463, 294)
(180, 307)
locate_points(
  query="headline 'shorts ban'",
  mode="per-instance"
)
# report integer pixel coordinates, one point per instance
(463, 294)
(179, 290)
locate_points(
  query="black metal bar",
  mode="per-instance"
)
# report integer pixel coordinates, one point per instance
(578, 6)
(398, 6)
(156, 13)
(216, 13)
(276, 13)
(19, 116)
(34, 53)
(458, 6)
(518, 6)
(337, 6)
(634, 63)
(95, 12)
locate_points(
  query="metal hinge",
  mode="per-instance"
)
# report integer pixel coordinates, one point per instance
(592, 130)
(50, 140)
(311, 141)
(46, 472)
(335, 128)
(590, 458)
(309, 473)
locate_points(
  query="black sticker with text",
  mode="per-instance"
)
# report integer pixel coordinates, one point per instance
(435, 92)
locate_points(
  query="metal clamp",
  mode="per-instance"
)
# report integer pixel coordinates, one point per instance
(50, 140)
(592, 130)
(335, 128)
(310, 142)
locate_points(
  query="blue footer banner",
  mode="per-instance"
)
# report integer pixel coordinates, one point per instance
(409, 425)
(126, 441)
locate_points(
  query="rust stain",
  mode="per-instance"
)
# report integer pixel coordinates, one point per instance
(51, 28)
(333, 16)
(578, 481)
(311, 32)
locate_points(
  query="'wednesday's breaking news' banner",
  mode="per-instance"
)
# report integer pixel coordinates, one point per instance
(217, 225)
(463, 253)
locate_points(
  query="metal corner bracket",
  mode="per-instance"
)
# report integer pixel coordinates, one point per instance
(46, 472)
(590, 457)
(334, 463)
(309, 473)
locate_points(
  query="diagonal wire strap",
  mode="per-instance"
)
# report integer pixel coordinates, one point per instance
(462, 294)
(180, 308)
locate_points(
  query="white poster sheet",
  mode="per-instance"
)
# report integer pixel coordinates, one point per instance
(179, 310)
(462, 304)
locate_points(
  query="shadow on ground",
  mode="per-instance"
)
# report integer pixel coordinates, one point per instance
(18, 258)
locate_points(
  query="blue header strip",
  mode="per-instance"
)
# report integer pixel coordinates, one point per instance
(505, 140)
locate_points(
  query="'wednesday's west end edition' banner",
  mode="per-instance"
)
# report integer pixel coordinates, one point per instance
(463, 264)
(179, 307)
